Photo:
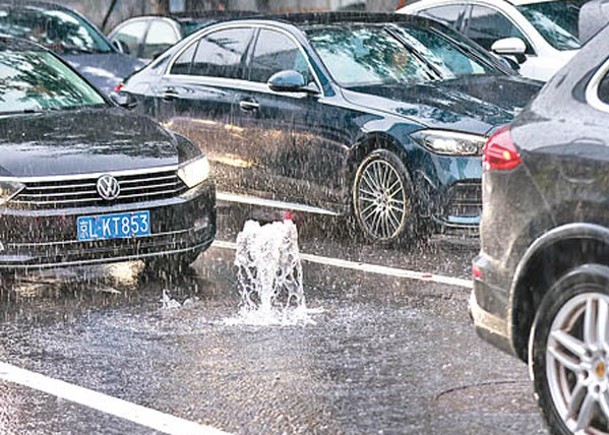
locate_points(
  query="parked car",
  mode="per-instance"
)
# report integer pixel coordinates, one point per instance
(71, 36)
(381, 117)
(84, 181)
(541, 281)
(542, 35)
(147, 36)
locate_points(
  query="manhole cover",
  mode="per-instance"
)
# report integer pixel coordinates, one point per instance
(491, 397)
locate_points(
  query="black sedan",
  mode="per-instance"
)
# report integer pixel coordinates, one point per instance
(541, 281)
(70, 35)
(84, 181)
(381, 116)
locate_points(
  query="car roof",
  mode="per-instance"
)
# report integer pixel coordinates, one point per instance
(304, 20)
(22, 4)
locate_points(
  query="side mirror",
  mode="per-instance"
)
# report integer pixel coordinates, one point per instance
(510, 47)
(290, 81)
(124, 99)
(121, 46)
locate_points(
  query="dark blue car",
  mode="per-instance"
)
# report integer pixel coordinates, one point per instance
(71, 36)
(380, 117)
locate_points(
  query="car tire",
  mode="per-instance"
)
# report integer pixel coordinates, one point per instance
(383, 199)
(170, 266)
(570, 366)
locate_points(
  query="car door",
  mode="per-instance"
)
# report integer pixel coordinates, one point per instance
(486, 25)
(195, 98)
(290, 134)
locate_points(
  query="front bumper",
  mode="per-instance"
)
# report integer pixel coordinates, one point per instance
(47, 238)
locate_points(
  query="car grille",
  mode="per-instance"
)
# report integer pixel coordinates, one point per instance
(83, 192)
(465, 199)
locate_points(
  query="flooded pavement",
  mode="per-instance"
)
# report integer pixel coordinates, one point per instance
(383, 354)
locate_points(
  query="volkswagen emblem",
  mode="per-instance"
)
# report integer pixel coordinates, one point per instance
(108, 187)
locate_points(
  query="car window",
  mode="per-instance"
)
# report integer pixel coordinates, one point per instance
(131, 34)
(276, 52)
(451, 16)
(37, 80)
(221, 54)
(556, 21)
(444, 54)
(159, 38)
(487, 25)
(58, 30)
(367, 55)
(183, 63)
(603, 90)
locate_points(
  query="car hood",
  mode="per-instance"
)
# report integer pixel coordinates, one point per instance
(83, 141)
(104, 70)
(474, 104)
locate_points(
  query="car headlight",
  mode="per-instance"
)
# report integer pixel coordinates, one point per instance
(8, 189)
(450, 142)
(194, 172)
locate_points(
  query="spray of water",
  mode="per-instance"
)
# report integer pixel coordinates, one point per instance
(269, 272)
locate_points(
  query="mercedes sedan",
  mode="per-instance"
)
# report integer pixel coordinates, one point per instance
(84, 181)
(380, 117)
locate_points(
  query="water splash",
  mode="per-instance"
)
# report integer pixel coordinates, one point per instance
(269, 272)
(167, 302)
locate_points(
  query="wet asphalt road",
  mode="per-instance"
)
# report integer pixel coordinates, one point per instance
(384, 355)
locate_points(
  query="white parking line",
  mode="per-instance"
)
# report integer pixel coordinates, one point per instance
(110, 405)
(371, 268)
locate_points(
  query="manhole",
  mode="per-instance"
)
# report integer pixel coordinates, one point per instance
(491, 397)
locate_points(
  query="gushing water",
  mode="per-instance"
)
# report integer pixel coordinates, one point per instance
(269, 272)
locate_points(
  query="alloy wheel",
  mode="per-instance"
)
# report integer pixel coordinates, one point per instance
(382, 200)
(577, 363)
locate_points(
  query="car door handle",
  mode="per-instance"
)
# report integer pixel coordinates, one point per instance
(170, 94)
(249, 105)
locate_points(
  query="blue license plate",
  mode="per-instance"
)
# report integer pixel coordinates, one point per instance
(113, 226)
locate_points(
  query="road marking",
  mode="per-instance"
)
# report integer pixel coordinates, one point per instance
(141, 415)
(371, 268)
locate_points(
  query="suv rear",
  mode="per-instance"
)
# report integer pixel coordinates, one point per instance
(541, 281)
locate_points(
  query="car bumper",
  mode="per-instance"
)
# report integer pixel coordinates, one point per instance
(488, 308)
(34, 239)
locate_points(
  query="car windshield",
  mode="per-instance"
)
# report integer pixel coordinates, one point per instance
(32, 81)
(57, 30)
(374, 55)
(556, 21)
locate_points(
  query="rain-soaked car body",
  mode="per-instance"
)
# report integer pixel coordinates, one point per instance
(541, 281)
(71, 36)
(85, 181)
(382, 116)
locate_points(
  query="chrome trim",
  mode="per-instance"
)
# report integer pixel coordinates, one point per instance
(79, 201)
(133, 257)
(593, 88)
(254, 27)
(55, 178)
(79, 242)
(270, 203)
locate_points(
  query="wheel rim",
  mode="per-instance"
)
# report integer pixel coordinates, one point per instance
(382, 200)
(577, 369)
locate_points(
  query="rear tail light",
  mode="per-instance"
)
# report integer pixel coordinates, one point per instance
(476, 272)
(499, 153)
(119, 87)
